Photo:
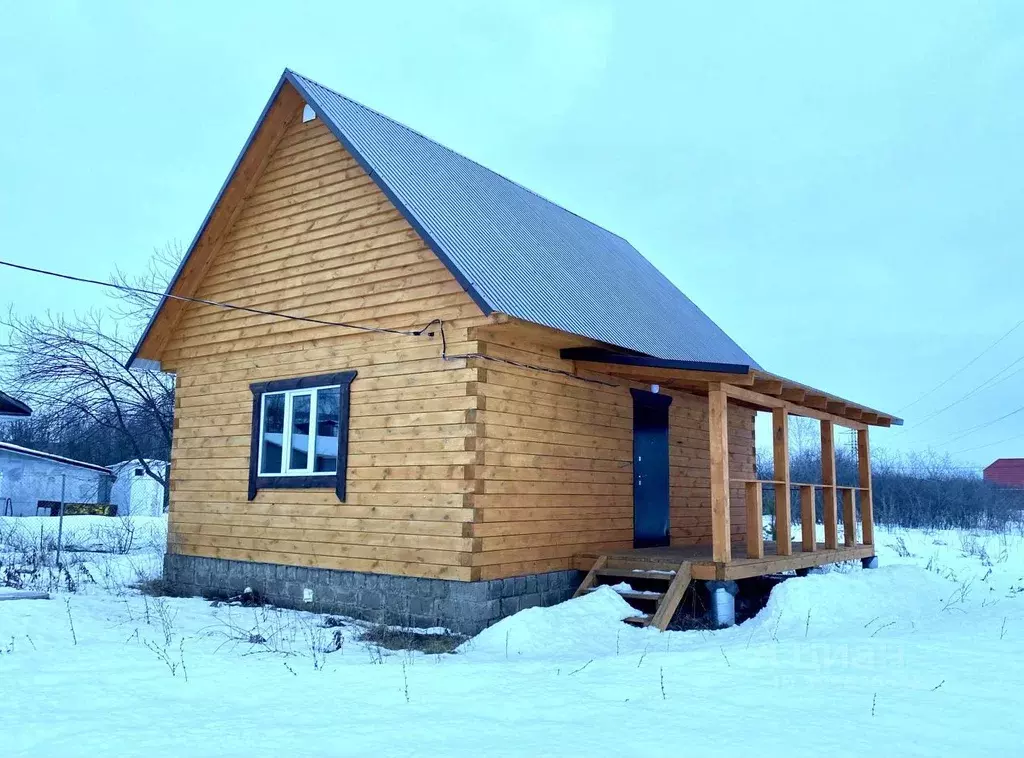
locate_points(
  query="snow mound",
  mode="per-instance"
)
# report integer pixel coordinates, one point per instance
(581, 627)
(830, 603)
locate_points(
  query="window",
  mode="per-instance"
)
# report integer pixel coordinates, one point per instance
(300, 433)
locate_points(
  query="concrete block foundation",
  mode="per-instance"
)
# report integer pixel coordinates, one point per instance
(463, 607)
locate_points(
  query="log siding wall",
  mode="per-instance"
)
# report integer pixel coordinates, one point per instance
(555, 461)
(317, 237)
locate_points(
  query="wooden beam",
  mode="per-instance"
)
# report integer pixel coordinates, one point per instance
(657, 375)
(591, 578)
(828, 478)
(768, 386)
(780, 447)
(767, 402)
(755, 523)
(794, 395)
(809, 397)
(718, 425)
(807, 519)
(867, 512)
(849, 517)
(818, 402)
(753, 398)
(673, 596)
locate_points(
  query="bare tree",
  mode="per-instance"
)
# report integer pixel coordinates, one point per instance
(73, 370)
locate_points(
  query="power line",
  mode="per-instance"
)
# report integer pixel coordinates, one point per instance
(963, 368)
(984, 425)
(989, 444)
(276, 314)
(992, 381)
(215, 303)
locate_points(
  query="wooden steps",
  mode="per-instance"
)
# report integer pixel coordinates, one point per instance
(641, 596)
(661, 587)
(626, 573)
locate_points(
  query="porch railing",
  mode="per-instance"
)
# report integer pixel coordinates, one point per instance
(833, 497)
(718, 402)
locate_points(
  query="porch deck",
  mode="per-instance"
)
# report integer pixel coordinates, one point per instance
(703, 567)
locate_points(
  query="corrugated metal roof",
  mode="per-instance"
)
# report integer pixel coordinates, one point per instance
(516, 252)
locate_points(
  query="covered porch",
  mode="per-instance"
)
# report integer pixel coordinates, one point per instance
(846, 531)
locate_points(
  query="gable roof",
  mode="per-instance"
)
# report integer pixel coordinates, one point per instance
(11, 406)
(513, 251)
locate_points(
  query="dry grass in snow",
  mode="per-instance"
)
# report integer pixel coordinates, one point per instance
(924, 656)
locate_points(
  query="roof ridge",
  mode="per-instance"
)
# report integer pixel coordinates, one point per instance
(475, 162)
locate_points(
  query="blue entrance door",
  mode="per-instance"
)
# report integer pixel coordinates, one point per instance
(650, 469)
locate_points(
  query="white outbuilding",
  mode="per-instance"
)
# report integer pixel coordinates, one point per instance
(136, 493)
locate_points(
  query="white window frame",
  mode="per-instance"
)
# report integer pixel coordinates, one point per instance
(286, 437)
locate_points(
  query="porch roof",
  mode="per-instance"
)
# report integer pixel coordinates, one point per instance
(747, 385)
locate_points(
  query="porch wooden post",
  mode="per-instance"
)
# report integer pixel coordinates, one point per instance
(783, 514)
(755, 525)
(810, 538)
(828, 478)
(849, 517)
(867, 508)
(718, 426)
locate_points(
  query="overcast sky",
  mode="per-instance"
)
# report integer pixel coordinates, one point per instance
(839, 188)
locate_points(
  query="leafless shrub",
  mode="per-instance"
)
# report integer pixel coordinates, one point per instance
(958, 596)
(970, 545)
(165, 655)
(279, 631)
(900, 548)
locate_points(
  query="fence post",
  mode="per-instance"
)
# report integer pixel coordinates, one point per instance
(60, 518)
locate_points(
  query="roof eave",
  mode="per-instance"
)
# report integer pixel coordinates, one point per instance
(11, 407)
(603, 355)
(42, 455)
(724, 372)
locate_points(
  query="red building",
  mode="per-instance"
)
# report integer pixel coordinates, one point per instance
(1006, 471)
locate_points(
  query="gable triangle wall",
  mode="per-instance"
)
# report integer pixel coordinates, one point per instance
(315, 236)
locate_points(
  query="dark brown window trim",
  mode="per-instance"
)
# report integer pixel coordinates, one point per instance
(337, 482)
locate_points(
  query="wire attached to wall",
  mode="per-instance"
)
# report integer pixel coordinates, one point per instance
(495, 359)
(215, 303)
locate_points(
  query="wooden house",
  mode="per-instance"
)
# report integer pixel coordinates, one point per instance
(410, 389)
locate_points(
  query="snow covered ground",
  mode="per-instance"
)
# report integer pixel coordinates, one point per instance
(924, 656)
